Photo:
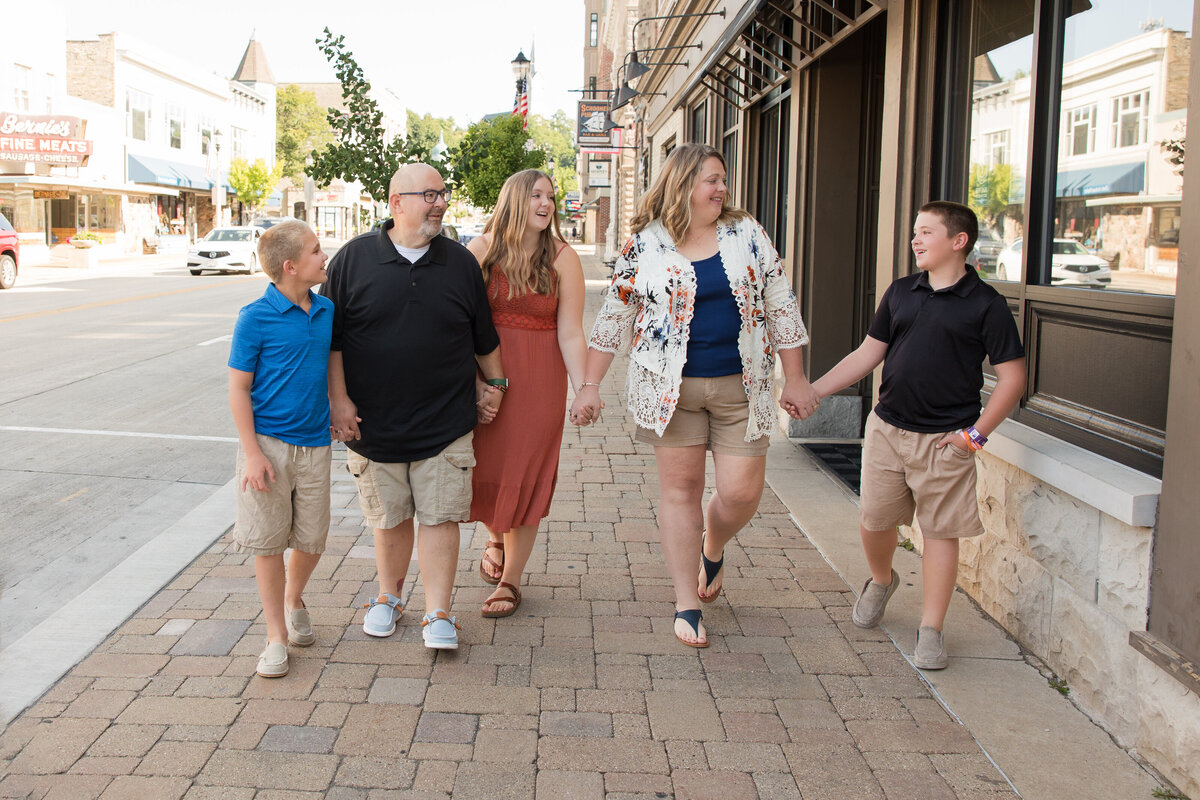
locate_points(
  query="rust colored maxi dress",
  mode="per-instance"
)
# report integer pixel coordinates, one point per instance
(516, 455)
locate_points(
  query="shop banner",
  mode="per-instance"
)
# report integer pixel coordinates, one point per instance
(593, 114)
(44, 139)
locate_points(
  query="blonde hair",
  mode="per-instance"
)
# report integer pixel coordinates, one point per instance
(669, 199)
(280, 243)
(506, 245)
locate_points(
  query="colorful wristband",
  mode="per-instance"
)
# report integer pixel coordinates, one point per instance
(976, 437)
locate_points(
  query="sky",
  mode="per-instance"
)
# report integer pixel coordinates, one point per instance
(448, 58)
(1105, 23)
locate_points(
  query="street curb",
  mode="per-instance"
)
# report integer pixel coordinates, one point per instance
(35, 662)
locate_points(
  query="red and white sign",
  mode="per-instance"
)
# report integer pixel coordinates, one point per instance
(44, 139)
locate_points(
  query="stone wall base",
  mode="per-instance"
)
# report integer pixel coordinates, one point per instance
(1070, 582)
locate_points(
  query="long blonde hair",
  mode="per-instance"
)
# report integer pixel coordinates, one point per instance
(669, 199)
(506, 245)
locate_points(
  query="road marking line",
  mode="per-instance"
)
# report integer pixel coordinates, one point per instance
(85, 306)
(131, 434)
(71, 497)
(226, 337)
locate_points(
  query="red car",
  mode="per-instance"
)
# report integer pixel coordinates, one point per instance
(9, 254)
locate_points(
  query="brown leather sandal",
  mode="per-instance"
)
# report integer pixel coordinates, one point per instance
(499, 567)
(515, 600)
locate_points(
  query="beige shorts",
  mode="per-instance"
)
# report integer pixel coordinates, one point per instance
(713, 412)
(903, 472)
(434, 490)
(294, 512)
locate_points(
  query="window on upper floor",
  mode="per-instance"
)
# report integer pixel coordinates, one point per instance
(49, 92)
(1081, 130)
(1130, 119)
(592, 87)
(22, 78)
(206, 135)
(594, 30)
(137, 115)
(239, 143)
(175, 126)
(997, 148)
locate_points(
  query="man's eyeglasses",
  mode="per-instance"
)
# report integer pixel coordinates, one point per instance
(430, 195)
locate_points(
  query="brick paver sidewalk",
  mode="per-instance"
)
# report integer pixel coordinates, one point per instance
(585, 693)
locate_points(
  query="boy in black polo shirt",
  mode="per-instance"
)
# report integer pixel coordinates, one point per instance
(931, 331)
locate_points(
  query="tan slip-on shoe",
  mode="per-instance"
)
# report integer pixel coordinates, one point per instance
(299, 627)
(273, 663)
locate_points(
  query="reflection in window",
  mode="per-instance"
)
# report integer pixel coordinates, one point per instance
(1118, 198)
(1002, 61)
(1081, 131)
(1130, 119)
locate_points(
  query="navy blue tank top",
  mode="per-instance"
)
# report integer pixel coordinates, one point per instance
(712, 348)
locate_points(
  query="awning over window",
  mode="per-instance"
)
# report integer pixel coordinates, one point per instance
(1113, 179)
(144, 169)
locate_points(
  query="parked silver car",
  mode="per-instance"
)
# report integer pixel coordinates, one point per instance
(226, 250)
(1071, 264)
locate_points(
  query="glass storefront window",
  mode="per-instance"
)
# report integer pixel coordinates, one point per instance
(1120, 173)
(1002, 60)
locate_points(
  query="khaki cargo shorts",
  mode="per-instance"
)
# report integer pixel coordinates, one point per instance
(434, 490)
(295, 511)
(713, 412)
(903, 473)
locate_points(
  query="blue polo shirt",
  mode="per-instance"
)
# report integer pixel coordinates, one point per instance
(288, 352)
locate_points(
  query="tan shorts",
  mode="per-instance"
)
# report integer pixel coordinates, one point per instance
(434, 490)
(713, 412)
(295, 511)
(903, 472)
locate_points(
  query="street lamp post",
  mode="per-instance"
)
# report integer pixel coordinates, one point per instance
(521, 67)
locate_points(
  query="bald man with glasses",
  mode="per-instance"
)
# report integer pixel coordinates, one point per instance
(411, 326)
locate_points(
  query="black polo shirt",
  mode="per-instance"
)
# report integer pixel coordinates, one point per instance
(408, 334)
(937, 340)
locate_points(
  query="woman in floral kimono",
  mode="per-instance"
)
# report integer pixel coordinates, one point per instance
(700, 302)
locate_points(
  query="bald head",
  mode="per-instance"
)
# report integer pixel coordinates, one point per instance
(417, 222)
(415, 178)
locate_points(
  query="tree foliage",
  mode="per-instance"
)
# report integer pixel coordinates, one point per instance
(554, 136)
(359, 152)
(252, 181)
(424, 130)
(490, 151)
(990, 189)
(300, 128)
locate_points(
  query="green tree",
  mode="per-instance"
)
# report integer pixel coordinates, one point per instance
(490, 151)
(300, 128)
(252, 181)
(424, 129)
(554, 136)
(359, 152)
(989, 190)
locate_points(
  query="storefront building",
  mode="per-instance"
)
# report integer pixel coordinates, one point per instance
(1063, 125)
(126, 144)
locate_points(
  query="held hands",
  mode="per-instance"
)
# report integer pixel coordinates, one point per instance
(258, 471)
(344, 416)
(487, 401)
(799, 399)
(586, 407)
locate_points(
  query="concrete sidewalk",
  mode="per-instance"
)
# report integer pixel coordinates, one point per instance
(585, 693)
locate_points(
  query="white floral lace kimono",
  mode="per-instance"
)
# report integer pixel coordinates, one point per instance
(648, 310)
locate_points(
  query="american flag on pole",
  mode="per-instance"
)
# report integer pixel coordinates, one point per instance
(521, 103)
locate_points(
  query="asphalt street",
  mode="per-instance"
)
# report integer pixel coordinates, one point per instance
(114, 421)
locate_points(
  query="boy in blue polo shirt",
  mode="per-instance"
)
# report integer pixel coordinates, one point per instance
(932, 331)
(280, 402)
